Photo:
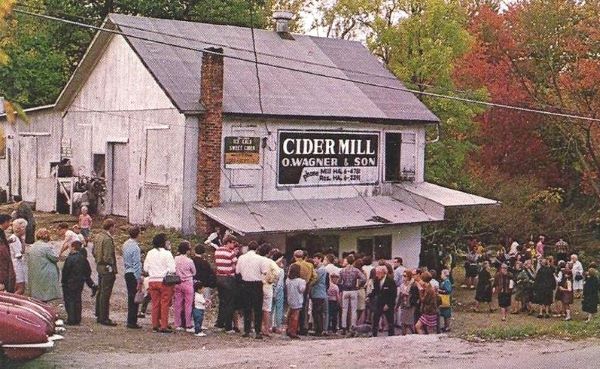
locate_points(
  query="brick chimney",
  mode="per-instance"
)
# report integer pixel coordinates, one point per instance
(208, 180)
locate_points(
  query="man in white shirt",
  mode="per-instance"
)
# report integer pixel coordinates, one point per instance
(330, 267)
(252, 269)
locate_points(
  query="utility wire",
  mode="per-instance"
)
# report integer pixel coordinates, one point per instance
(252, 213)
(319, 74)
(281, 57)
(260, 104)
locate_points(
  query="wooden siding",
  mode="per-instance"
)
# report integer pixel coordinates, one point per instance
(121, 102)
(260, 184)
(45, 124)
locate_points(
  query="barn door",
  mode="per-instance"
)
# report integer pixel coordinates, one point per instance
(117, 172)
(28, 167)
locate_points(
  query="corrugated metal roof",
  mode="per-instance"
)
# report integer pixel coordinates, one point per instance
(315, 214)
(445, 196)
(284, 92)
(34, 109)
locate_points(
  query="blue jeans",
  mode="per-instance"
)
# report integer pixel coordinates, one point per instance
(278, 302)
(198, 315)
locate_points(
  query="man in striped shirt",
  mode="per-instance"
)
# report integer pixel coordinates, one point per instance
(225, 260)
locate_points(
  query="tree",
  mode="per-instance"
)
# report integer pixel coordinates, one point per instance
(555, 54)
(511, 142)
(422, 49)
(37, 69)
(346, 19)
(5, 9)
(11, 109)
(44, 53)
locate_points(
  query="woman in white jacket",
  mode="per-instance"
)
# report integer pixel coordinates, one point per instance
(578, 276)
(160, 262)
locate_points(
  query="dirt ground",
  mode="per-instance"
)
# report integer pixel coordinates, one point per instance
(94, 346)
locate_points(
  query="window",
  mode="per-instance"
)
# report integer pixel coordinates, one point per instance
(100, 165)
(379, 247)
(383, 247)
(408, 158)
(365, 246)
(313, 244)
(393, 143)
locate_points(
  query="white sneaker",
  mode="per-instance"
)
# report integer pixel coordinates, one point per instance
(179, 329)
(190, 330)
(201, 334)
(230, 332)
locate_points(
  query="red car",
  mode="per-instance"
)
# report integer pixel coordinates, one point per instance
(27, 327)
(45, 311)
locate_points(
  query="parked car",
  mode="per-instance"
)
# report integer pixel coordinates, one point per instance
(27, 327)
(46, 311)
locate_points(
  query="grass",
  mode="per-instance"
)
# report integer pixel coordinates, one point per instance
(473, 326)
(52, 220)
(572, 330)
(466, 324)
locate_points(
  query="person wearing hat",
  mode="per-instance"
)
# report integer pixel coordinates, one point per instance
(503, 285)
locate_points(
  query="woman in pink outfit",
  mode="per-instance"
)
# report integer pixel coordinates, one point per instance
(184, 292)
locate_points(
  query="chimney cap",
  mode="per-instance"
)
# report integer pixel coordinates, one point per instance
(283, 15)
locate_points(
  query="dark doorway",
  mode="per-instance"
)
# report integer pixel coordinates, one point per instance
(378, 247)
(99, 165)
(365, 246)
(393, 142)
(313, 244)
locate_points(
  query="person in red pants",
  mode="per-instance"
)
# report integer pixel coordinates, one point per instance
(159, 262)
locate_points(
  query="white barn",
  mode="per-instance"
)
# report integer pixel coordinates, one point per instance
(187, 140)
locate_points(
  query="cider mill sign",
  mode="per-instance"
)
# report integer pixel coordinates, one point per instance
(326, 158)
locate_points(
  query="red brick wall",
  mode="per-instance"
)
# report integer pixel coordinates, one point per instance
(208, 179)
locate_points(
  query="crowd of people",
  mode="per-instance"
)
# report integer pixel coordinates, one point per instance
(261, 292)
(532, 278)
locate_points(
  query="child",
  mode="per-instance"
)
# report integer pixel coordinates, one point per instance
(566, 293)
(75, 272)
(198, 310)
(295, 294)
(85, 223)
(333, 295)
(80, 236)
(147, 299)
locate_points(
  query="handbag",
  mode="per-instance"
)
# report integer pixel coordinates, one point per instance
(578, 277)
(139, 297)
(444, 301)
(171, 279)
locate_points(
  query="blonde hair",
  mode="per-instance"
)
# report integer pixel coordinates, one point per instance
(42, 234)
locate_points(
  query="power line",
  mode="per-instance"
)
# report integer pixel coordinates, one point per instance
(235, 48)
(281, 57)
(318, 74)
(157, 121)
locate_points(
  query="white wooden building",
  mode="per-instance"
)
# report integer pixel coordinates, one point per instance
(314, 162)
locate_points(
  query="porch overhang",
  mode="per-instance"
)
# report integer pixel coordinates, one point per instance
(434, 199)
(316, 215)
